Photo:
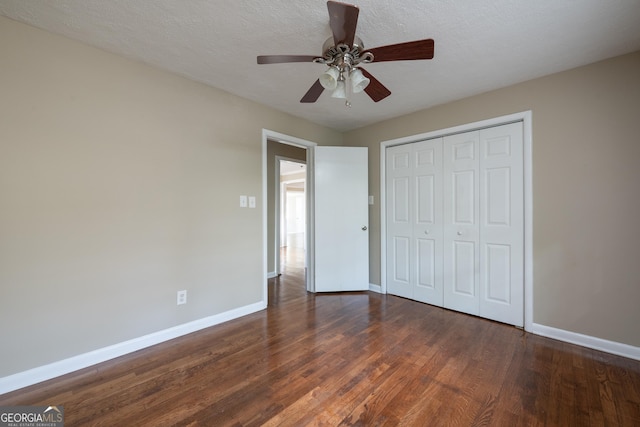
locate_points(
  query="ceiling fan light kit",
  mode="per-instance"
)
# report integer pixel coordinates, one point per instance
(343, 81)
(358, 81)
(329, 79)
(344, 52)
(340, 91)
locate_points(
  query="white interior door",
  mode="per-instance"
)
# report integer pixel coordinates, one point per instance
(502, 224)
(341, 219)
(455, 222)
(414, 221)
(484, 223)
(399, 208)
(461, 217)
(427, 227)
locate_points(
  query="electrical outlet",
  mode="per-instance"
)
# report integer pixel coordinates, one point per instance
(182, 297)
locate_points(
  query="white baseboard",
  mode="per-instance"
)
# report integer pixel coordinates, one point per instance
(375, 288)
(62, 367)
(612, 347)
(271, 275)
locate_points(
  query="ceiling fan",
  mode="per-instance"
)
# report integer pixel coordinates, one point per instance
(344, 52)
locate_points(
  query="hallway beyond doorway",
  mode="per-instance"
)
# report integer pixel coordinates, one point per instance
(290, 284)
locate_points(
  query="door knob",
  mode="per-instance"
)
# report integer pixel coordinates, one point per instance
(426, 231)
(364, 228)
(459, 233)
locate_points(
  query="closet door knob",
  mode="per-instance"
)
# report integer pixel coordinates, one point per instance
(426, 231)
(459, 233)
(364, 228)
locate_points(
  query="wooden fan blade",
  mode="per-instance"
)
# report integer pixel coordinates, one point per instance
(313, 93)
(343, 19)
(418, 49)
(280, 59)
(376, 90)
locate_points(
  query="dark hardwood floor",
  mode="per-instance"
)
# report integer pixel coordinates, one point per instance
(350, 359)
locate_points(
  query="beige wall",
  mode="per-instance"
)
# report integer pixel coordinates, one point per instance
(119, 186)
(586, 190)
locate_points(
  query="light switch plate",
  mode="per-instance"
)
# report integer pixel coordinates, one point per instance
(252, 201)
(243, 201)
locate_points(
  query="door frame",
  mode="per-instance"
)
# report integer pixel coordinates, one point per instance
(525, 117)
(310, 197)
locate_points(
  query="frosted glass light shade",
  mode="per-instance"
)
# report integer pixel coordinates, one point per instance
(329, 79)
(340, 91)
(358, 81)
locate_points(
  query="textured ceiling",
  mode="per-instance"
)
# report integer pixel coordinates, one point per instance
(479, 46)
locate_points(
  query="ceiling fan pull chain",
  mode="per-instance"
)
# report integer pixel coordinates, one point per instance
(347, 87)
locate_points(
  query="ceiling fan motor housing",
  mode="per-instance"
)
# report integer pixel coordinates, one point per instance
(343, 55)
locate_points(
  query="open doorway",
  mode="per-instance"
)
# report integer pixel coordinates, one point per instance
(331, 227)
(287, 191)
(292, 214)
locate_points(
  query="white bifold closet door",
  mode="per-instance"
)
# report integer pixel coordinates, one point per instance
(414, 221)
(455, 222)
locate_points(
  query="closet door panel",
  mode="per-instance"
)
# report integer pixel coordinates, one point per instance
(464, 265)
(425, 195)
(461, 217)
(401, 272)
(399, 211)
(463, 198)
(497, 190)
(427, 228)
(497, 273)
(502, 224)
(426, 259)
(400, 197)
